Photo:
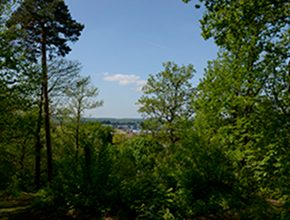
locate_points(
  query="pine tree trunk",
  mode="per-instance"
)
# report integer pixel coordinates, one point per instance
(289, 80)
(38, 144)
(46, 106)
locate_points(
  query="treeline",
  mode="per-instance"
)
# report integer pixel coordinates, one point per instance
(220, 150)
(130, 124)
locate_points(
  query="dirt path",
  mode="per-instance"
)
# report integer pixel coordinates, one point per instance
(13, 208)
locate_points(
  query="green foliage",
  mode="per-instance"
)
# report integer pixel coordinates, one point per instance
(142, 192)
(220, 150)
(82, 96)
(17, 151)
(167, 100)
(50, 17)
(82, 183)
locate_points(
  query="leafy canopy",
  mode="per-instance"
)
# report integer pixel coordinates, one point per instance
(167, 98)
(34, 18)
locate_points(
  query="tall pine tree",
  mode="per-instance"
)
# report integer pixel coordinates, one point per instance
(45, 27)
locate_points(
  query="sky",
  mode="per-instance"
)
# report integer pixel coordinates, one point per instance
(126, 40)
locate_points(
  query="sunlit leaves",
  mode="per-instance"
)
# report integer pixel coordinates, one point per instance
(168, 98)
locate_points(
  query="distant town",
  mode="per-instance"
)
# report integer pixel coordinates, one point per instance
(128, 125)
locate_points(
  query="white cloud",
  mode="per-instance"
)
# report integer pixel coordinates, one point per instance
(125, 79)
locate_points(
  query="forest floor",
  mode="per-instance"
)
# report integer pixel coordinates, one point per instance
(22, 207)
(14, 207)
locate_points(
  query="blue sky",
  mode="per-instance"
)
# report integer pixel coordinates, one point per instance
(125, 41)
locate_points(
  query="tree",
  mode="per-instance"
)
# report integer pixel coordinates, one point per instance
(168, 99)
(81, 96)
(62, 74)
(243, 101)
(259, 29)
(45, 27)
(18, 87)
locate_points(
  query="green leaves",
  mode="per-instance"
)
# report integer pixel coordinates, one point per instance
(168, 99)
(242, 104)
(82, 96)
(33, 18)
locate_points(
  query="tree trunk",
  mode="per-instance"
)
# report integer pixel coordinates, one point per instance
(46, 106)
(289, 81)
(77, 131)
(38, 144)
